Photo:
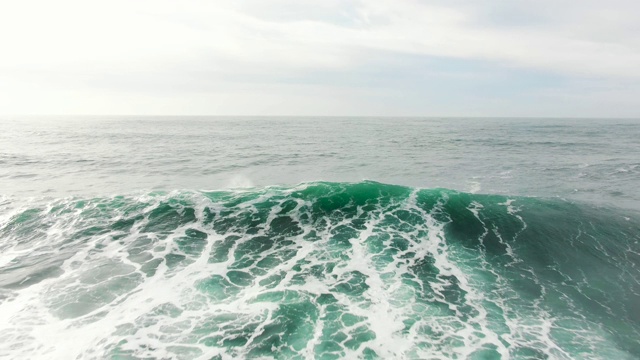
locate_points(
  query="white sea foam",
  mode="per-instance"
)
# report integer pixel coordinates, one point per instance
(86, 312)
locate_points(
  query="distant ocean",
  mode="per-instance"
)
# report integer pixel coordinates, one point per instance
(319, 238)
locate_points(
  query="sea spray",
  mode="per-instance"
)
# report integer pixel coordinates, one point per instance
(319, 270)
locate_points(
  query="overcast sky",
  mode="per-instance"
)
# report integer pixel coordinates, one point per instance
(321, 57)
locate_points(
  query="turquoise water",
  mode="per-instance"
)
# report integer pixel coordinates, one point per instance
(113, 245)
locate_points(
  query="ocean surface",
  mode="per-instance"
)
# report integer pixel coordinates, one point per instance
(319, 238)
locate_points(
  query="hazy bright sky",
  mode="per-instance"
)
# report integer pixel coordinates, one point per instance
(321, 57)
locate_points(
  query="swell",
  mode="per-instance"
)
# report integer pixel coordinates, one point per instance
(320, 270)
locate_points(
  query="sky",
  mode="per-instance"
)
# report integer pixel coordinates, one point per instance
(543, 58)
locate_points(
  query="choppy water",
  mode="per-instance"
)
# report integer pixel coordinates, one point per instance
(501, 238)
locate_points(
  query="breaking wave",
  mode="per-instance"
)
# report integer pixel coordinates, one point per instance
(319, 270)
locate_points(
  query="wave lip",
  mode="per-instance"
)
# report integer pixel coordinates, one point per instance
(320, 270)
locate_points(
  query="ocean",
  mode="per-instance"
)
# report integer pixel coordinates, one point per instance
(319, 238)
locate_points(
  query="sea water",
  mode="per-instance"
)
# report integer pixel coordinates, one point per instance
(301, 238)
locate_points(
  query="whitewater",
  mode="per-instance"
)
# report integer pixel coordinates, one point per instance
(327, 238)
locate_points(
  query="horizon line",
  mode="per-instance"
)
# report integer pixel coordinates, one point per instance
(333, 116)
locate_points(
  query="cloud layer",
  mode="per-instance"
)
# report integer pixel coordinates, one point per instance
(382, 57)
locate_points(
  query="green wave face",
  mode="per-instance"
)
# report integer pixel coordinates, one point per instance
(321, 270)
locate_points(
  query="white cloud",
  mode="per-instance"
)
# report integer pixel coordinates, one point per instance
(77, 46)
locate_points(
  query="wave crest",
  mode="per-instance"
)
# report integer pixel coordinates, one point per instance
(320, 270)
